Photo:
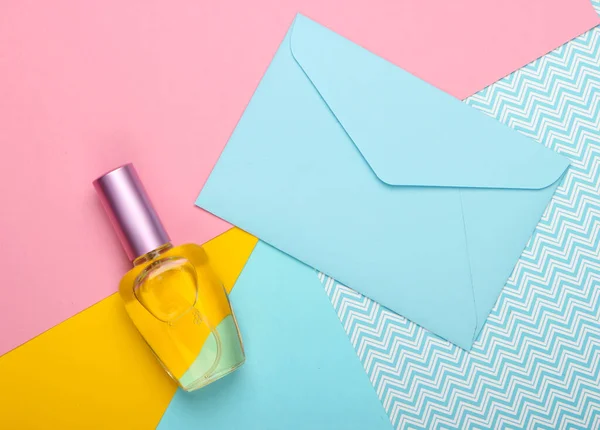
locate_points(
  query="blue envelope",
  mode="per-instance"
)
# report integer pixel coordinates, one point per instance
(383, 182)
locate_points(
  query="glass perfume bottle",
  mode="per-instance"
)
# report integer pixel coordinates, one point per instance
(174, 299)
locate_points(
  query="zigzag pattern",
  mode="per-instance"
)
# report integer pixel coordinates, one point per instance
(537, 361)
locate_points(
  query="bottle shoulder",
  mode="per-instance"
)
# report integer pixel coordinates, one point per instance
(189, 251)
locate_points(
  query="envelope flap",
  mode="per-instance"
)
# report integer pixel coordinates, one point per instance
(409, 132)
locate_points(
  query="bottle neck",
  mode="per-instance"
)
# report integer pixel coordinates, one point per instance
(149, 256)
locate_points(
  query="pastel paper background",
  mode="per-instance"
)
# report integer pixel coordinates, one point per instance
(86, 86)
(554, 291)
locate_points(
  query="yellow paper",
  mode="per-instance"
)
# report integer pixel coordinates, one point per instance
(94, 371)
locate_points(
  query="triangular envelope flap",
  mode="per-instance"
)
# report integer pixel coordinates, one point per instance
(409, 132)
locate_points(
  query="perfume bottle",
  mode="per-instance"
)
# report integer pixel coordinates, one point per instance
(172, 296)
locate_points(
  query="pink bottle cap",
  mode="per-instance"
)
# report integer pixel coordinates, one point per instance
(130, 211)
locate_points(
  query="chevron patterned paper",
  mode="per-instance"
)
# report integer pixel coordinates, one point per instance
(537, 361)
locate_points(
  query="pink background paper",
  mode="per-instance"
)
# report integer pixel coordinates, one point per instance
(86, 86)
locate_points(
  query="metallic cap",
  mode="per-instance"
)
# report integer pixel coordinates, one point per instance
(130, 211)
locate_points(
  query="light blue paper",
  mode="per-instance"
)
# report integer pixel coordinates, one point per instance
(383, 182)
(301, 371)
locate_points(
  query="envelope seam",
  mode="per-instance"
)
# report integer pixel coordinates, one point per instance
(462, 210)
(329, 108)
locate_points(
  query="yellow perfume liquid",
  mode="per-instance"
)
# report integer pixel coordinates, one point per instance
(182, 311)
(172, 296)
